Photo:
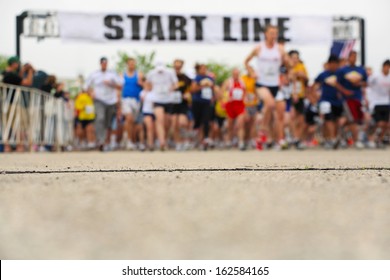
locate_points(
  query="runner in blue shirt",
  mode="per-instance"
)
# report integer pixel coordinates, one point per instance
(352, 79)
(202, 95)
(330, 104)
(130, 102)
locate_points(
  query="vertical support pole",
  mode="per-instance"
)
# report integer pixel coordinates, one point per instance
(363, 41)
(19, 30)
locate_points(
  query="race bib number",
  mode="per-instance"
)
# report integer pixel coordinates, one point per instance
(271, 71)
(325, 107)
(89, 109)
(237, 94)
(206, 93)
(353, 77)
(287, 92)
(177, 97)
(298, 87)
(331, 80)
(250, 97)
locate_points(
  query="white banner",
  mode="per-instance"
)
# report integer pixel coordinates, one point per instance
(196, 28)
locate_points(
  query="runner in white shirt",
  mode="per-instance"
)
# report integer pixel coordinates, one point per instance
(270, 56)
(104, 86)
(164, 82)
(378, 96)
(147, 99)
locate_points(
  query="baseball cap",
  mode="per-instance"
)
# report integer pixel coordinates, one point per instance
(13, 59)
(160, 66)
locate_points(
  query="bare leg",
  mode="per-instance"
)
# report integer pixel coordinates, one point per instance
(149, 124)
(160, 125)
(240, 122)
(353, 127)
(90, 133)
(176, 129)
(183, 124)
(299, 126)
(268, 107)
(230, 127)
(383, 126)
(129, 126)
(331, 130)
(280, 112)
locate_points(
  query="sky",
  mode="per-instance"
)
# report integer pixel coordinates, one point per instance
(68, 60)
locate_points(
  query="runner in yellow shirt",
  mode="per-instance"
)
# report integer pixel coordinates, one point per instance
(219, 116)
(251, 102)
(300, 79)
(86, 115)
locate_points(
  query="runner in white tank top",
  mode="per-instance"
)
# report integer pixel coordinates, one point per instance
(270, 56)
(269, 61)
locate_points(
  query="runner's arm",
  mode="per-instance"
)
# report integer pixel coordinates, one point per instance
(342, 89)
(313, 92)
(253, 54)
(285, 57)
(88, 86)
(195, 87)
(223, 88)
(303, 74)
(175, 82)
(29, 78)
(294, 93)
(118, 105)
(118, 82)
(141, 79)
(315, 87)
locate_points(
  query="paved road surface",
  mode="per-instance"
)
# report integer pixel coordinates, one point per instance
(277, 205)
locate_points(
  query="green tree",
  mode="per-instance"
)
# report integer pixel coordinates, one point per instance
(221, 71)
(3, 62)
(145, 62)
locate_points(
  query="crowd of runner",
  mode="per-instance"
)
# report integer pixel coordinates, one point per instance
(270, 106)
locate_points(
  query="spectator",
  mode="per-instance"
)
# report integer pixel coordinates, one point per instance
(50, 85)
(60, 92)
(15, 76)
(19, 77)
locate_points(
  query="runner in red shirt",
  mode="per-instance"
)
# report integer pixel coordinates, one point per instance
(235, 108)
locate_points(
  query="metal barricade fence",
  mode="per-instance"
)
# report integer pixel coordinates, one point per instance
(33, 118)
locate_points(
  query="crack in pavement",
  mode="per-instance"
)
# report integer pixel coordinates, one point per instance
(20, 172)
